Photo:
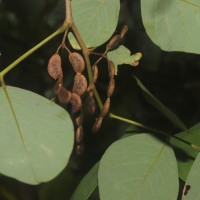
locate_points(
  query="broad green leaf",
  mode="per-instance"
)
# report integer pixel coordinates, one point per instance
(193, 182)
(185, 153)
(160, 107)
(36, 136)
(122, 55)
(138, 167)
(173, 25)
(87, 184)
(96, 20)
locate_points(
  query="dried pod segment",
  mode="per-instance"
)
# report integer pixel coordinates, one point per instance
(76, 103)
(64, 95)
(97, 124)
(79, 120)
(105, 108)
(79, 149)
(111, 87)
(111, 69)
(58, 86)
(95, 73)
(77, 62)
(124, 31)
(80, 84)
(91, 103)
(79, 135)
(55, 66)
(113, 42)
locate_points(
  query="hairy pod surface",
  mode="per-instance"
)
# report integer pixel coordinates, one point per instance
(79, 135)
(114, 42)
(58, 86)
(111, 87)
(64, 95)
(105, 108)
(54, 66)
(111, 69)
(80, 84)
(77, 62)
(97, 124)
(79, 149)
(95, 73)
(76, 103)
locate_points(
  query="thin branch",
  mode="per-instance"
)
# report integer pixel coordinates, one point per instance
(84, 49)
(32, 50)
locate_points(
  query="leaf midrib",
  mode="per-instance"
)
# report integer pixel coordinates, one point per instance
(19, 131)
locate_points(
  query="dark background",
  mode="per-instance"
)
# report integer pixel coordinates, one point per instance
(173, 77)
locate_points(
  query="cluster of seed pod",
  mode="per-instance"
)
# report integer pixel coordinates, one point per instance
(65, 96)
(111, 69)
(110, 90)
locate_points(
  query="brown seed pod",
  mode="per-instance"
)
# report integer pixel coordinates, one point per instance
(75, 102)
(111, 69)
(111, 87)
(79, 149)
(80, 84)
(64, 95)
(79, 135)
(91, 103)
(114, 42)
(79, 120)
(77, 62)
(58, 85)
(97, 124)
(106, 107)
(124, 31)
(54, 66)
(95, 73)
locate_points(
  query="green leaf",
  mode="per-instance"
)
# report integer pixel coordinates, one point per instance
(160, 107)
(185, 153)
(172, 25)
(36, 136)
(138, 167)
(96, 21)
(193, 182)
(122, 55)
(87, 184)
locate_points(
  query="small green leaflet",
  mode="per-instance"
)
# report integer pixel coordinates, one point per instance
(122, 55)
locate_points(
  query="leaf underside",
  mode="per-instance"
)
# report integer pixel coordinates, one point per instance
(138, 167)
(173, 25)
(36, 136)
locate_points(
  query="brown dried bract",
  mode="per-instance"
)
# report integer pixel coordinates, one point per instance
(54, 66)
(111, 87)
(79, 149)
(95, 73)
(58, 85)
(80, 84)
(79, 135)
(111, 69)
(114, 42)
(97, 124)
(106, 107)
(77, 62)
(64, 95)
(75, 102)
